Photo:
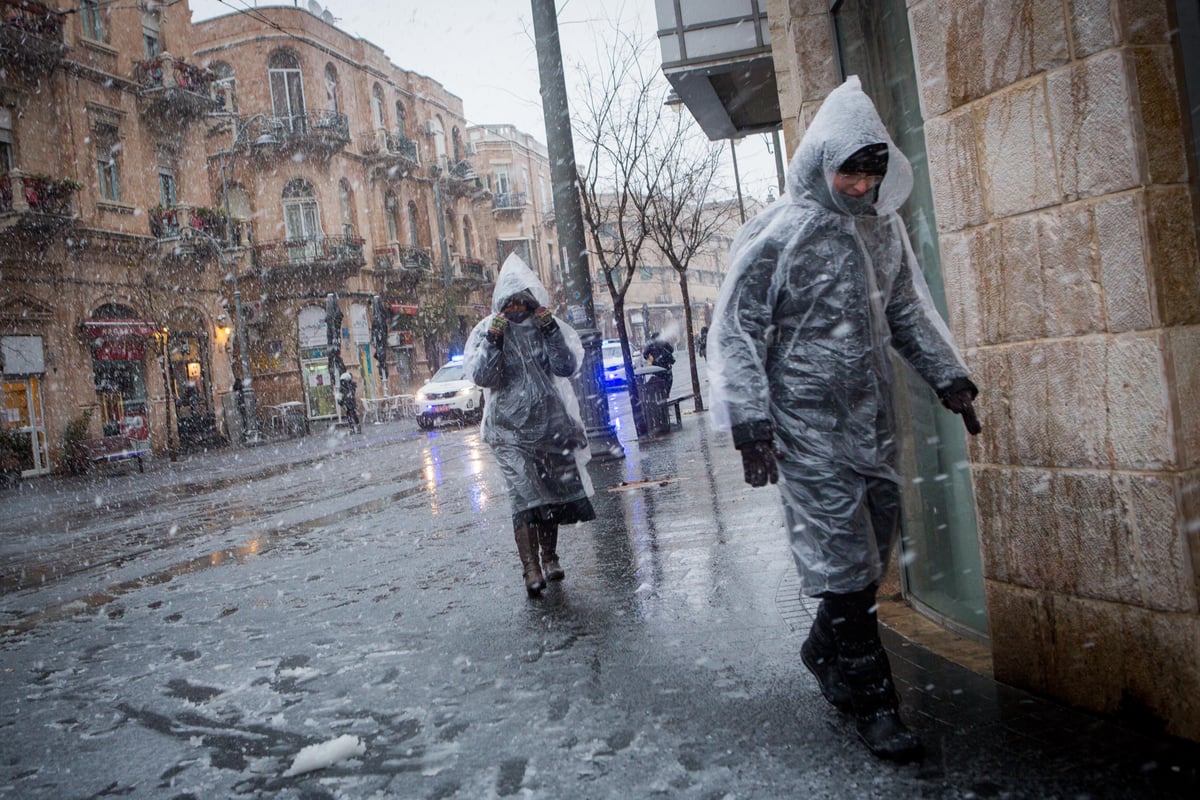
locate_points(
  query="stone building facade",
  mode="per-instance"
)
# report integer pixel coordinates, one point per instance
(1061, 174)
(515, 169)
(152, 169)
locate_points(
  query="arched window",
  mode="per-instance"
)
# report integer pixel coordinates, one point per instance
(287, 89)
(414, 230)
(391, 211)
(301, 220)
(332, 101)
(377, 106)
(346, 196)
(400, 118)
(224, 88)
(467, 238)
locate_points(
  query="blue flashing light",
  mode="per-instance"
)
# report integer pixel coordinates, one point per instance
(456, 359)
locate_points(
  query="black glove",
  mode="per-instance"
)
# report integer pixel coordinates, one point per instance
(544, 319)
(958, 396)
(758, 463)
(495, 334)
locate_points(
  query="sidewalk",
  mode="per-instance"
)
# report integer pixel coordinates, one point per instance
(666, 665)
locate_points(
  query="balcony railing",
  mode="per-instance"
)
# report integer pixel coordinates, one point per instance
(473, 267)
(399, 144)
(333, 253)
(36, 199)
(172, 86)
(169, 222)
(509, 201)
(321, 130)
(415, 258)
(30, 33)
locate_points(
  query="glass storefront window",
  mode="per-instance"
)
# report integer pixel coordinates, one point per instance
(940, 561)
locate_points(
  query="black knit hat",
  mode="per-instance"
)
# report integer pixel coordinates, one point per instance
(869, 160)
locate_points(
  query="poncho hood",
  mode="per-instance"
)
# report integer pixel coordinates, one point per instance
(846, 122)
(515, 277)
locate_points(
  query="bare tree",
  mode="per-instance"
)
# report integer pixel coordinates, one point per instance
(682, 218)
(620, 112)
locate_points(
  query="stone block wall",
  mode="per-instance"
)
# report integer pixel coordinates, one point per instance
(1065, 207)
(1066, 211)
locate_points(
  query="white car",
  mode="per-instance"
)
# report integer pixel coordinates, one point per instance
(449, 395)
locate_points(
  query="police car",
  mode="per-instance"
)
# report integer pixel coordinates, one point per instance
(449, 395)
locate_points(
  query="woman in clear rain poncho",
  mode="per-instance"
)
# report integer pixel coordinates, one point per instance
(522, 356)
(821, 286)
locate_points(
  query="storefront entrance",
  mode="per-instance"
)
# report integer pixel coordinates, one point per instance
(191, 387)
(23, 447)
(118, 344)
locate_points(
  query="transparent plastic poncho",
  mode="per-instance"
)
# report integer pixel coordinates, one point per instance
(529, 406)
(821, 288)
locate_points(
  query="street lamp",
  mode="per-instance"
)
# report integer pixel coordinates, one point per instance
(251, 435)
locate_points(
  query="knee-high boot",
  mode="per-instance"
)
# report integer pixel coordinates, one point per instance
(868, 675)
(819, 654)
(527, 549)
(548, 537)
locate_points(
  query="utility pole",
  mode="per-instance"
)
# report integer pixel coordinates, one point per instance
(564, 177)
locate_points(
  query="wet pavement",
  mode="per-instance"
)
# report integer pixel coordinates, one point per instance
(186, 632)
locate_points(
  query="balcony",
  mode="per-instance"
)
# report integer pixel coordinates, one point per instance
(472, 271)
(36, 203)
(402, 267)
(390, 153)
(461, 180)
(320, 131)
(31, 35)
(185, 231)
(509, 201)
(170, 87)
(306, 260)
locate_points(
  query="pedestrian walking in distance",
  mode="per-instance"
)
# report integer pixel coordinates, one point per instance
(523, 356)
(822, 286)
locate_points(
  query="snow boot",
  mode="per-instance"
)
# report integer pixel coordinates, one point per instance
(548, 536)
(527, 549)
(865, 668)
(819, 654)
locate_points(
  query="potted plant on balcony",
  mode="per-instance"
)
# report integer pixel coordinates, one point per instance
(49, 195)
(208, 220)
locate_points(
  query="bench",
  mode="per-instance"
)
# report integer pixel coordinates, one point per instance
(108, 449)
(674, 403)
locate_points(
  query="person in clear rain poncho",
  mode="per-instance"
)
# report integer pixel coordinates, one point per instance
(522, 356)
(822, 285)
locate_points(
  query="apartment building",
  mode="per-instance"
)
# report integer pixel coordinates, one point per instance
(516, 170)
(156, 173)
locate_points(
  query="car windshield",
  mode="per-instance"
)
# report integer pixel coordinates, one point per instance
(450, 372)
(611, 352)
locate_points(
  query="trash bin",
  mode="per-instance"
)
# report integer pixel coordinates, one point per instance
(653, 391)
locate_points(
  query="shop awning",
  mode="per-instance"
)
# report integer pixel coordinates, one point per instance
(118, 339)
(119, 328)
(404, 308)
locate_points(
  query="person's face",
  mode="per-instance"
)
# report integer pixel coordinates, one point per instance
(516, 309)
(855, 184)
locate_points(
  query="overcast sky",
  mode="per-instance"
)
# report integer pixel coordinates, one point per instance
(483, 51)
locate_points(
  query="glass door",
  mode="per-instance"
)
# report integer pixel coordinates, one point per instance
(24, 427)
(940, 562)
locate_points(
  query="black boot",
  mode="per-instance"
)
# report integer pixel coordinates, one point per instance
(548, 536)
(527, 549)
(865, 668)
(819, 654)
